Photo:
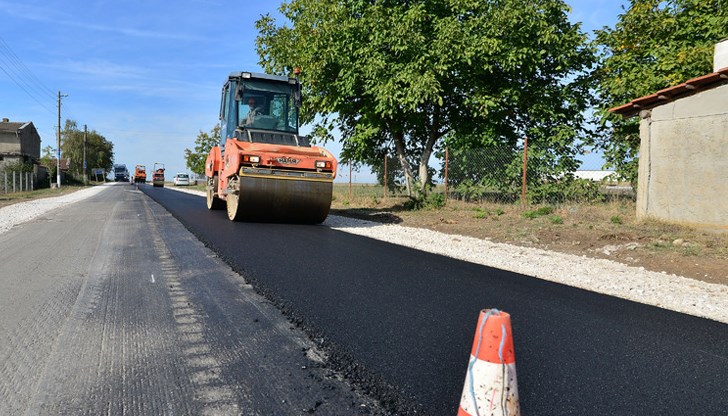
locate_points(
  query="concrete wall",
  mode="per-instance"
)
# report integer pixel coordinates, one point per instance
(720, 56)
(30, 141)
(683, 167)
(9, 142)
(26, 141)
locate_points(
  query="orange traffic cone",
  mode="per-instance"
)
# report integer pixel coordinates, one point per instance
(491, 387)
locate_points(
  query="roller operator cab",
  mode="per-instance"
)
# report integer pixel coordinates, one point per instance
(263, 170)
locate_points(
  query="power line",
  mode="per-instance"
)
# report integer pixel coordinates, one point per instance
(26, 91)
(21, 75)
(24, 70)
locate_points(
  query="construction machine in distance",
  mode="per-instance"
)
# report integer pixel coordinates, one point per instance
(140, 174)
(158, 174)
(263, 170)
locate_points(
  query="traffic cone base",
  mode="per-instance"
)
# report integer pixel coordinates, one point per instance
(499, 392)
(491, 386)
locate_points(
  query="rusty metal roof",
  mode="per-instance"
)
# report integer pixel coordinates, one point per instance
(666, 95)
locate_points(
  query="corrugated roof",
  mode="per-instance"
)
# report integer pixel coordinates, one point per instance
(666, 95)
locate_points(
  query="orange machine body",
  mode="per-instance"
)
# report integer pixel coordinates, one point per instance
(140, 174)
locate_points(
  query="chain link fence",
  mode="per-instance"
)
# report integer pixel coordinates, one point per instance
(11, 182)
(503, 175)
(508, 175)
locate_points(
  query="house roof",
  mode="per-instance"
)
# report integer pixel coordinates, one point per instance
(11, 126)
(689, 87)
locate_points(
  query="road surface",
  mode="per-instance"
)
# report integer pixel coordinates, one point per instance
(400, 323)
(109, 306)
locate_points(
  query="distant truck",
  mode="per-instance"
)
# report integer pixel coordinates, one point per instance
(121, 173)
(140, 174)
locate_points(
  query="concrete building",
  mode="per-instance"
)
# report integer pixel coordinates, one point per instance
(19, 142)
(683, 165)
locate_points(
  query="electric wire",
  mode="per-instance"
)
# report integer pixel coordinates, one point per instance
(21, 75)
(23, 68)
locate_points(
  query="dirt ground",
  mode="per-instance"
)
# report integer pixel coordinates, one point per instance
(609, 231)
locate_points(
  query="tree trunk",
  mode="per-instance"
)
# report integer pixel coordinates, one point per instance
(424, 176)
(398, 138)
(433, 133)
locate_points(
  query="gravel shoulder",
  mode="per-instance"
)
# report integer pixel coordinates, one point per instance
(665, 290)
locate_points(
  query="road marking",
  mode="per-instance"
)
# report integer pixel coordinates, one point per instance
(152, 278)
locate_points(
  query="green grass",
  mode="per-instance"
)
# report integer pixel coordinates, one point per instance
(539, 212)
(555, 219)
(481, 213)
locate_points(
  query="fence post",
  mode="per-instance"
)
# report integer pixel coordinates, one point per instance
(13, 181)
(350, 163)
(525, 169)
(32, 181)
(385, 175)
(6, 181)
(447, 162)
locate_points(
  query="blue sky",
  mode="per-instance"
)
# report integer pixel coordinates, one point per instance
(145, 74)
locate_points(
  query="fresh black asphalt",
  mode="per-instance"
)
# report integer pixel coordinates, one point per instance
(401, 322)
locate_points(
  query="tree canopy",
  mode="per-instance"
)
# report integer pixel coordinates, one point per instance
(203, 143)
(654, 45)
(99, 151)
(399, 77)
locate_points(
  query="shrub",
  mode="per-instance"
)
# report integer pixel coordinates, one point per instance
(433, 201)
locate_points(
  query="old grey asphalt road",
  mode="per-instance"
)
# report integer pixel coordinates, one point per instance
(109, 306)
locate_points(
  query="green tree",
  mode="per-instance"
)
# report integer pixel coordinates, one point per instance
(99, 151)
(400, 76)
(47, 159)
(203, 143)
(655, 44)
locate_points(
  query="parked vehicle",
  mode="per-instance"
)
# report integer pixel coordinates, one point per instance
(182, 179)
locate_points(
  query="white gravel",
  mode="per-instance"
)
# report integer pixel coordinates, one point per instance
(21, 212)
(667, 291)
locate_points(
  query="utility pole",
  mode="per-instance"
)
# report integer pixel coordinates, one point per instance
(58, 151)
(85, 135)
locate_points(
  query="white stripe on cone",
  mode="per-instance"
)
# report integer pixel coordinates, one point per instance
(494, 392)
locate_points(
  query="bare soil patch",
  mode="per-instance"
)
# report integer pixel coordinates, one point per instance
(606, 230)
